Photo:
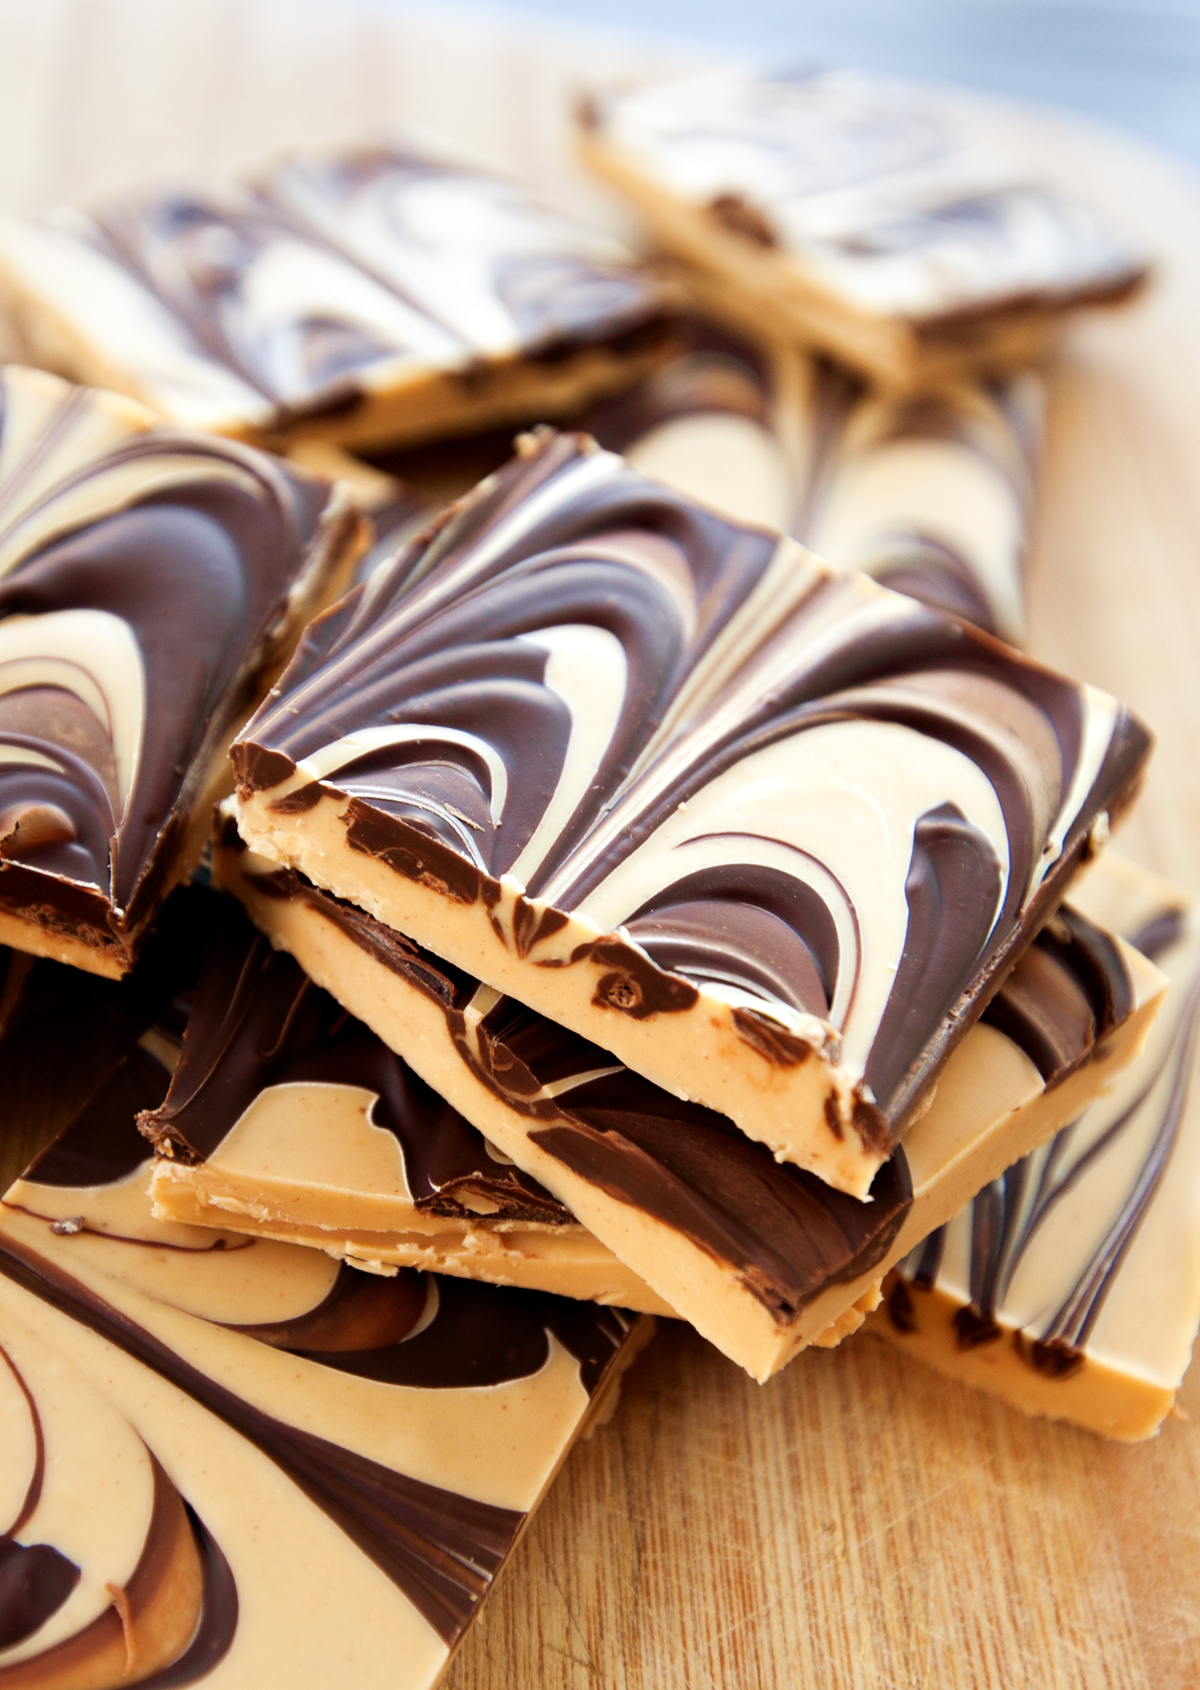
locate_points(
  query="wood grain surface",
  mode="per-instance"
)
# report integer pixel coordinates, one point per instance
(860, 1523)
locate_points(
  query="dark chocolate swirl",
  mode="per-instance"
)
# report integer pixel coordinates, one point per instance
(411, 1332)
(142, 593)
(346, 274)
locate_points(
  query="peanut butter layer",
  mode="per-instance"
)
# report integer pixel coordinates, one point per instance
(857, 214)
(761, 1257)
(765, 831)
(1069, 1287)
(237, 1462)
(151, 586)
(375, 296)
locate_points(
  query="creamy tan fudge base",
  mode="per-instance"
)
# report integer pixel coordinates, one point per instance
(766, 1098)
(311, 1606)
(890, 350)
(565, 1260)
(1102, 1399)
(990, 1108)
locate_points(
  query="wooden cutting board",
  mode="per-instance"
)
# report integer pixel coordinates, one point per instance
(859, 1523)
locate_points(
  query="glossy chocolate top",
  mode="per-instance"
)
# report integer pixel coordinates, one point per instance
(421, 1416)
(785, 1233)
(879, 187)
(343, 274)
(258, 1022)
(834, 808)
(144, 585)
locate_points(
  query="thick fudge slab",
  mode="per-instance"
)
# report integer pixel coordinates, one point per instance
(933, 495)
(151, 584)
(375, 296)
(237, 1462)
(857, 214)
(768, 833)
(1069, 1287)
(288, 1118)
(761, 1257)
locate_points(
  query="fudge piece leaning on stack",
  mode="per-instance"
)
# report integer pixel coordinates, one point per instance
(1071, 1287)
(237, 1462)
(374, 296)
(152, 584)
(858, 215)
(768, 833)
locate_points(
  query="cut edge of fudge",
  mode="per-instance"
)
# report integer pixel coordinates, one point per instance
(954, 1149)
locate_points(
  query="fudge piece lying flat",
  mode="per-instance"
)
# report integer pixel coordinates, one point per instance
(151, 584)
(1070, 1286)
(237, 1462)
(933, 495)
(767, 832)
(373, 296)
(761, 1257)
(858, 214)
(288, 1118)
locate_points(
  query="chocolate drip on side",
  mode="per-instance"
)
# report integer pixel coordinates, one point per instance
(786, 1234)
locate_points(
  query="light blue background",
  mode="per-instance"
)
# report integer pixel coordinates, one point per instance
(1135, 64)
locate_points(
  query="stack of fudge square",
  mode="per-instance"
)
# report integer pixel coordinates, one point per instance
(463, 898)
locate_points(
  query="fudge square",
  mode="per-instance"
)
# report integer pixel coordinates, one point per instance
(769, 833)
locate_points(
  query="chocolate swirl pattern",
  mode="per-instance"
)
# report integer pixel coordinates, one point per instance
(768, 833)
(377, 295)
(1071, 1275)
(862, 214)
(303, 1465)
(933, 495)
(148, 584)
